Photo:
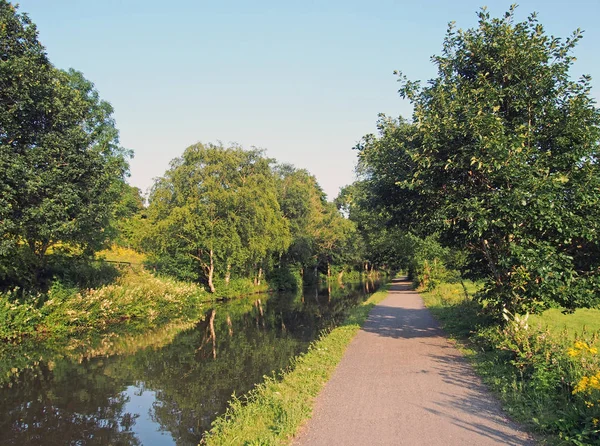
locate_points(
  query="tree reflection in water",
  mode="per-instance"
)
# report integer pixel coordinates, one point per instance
(168, 394)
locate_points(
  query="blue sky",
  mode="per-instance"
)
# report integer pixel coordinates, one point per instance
(303, 80)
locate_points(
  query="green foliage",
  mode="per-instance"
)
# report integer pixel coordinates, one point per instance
(432, 264)
(378, 241)
(285, 278)
(500, 160)
(238, 287)
(321, 237)
(215, 213)
(136, 302)
(80, 273)
(60, 163)
(17, 320)
(130, 223)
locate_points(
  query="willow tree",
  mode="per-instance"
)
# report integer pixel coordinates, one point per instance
(507, 161)
(215, 212)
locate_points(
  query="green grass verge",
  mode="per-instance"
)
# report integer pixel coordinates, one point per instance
(567, 326)
(274, 410)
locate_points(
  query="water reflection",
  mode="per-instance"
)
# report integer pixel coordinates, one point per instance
(166, 394)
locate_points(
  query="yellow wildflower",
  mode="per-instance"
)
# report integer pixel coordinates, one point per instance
(582, 385)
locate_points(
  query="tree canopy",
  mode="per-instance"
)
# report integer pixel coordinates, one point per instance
(214, 210)
(501, 159)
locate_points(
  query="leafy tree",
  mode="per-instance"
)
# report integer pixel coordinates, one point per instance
(60, 162)
(215, 211)
(506, 162)
(379, 242)
(334, 237)
(130, 219)
(302, 201)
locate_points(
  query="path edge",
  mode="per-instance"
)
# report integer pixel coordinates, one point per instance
(274, 411)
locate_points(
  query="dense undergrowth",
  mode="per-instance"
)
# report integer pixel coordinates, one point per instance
(272, 413)
(135, 302)
(545, 369)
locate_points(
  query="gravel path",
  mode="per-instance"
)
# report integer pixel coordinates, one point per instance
(402, 383)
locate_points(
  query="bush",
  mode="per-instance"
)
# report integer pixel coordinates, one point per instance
(17, 319)
(285, 278)
(237, 287)
(432, 264)
(80, 272)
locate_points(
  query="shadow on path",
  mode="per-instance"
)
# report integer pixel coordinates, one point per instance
(405, 321)
(402, 383)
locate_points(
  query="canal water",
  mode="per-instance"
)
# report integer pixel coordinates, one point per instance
(165, 388)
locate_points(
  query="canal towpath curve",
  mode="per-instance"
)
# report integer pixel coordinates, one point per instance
(401, 382)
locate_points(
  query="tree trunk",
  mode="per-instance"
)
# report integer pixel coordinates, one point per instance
(259, 276)
(339, 278)
(211, 272)
(228, 274)
(328, 271)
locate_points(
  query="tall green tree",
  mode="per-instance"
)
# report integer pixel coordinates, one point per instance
(334, 234)
(61, 165)
(215, 213)
(130, 219)
(302, 202)
(506, 161)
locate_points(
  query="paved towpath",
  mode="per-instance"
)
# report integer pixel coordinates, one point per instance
(402, 383)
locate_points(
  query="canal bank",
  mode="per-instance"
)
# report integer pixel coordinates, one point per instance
(273, 411)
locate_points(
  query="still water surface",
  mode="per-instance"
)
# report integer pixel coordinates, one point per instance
(167, 389)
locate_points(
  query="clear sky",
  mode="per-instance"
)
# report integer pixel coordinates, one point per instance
(304, 80)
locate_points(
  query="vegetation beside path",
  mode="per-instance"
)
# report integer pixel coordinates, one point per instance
(545, 369)
(272, 413)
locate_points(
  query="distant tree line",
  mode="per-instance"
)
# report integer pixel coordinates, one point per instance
(218, 214)
(223, 212)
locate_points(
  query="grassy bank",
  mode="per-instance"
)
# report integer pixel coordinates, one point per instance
(134, 303)
(272, 412)
(545, 369)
